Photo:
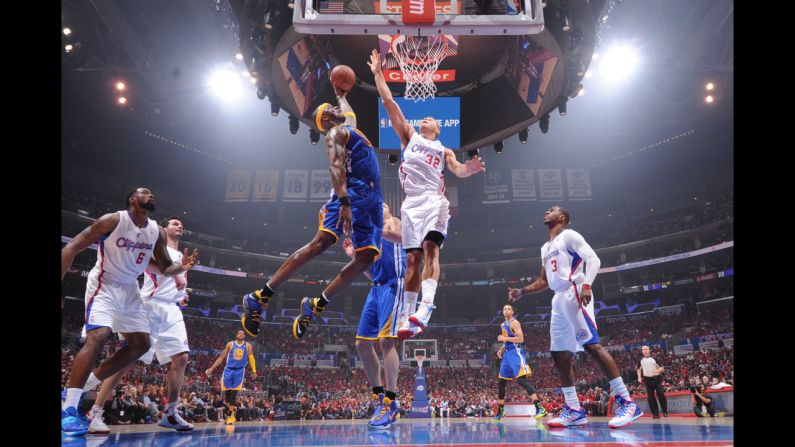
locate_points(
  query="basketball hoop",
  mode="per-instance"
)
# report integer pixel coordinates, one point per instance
(420, 358)
(419, 58)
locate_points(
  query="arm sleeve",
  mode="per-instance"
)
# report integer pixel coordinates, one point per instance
(576, 243)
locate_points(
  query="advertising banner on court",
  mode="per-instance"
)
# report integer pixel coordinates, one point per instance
(446, 110)
(579, 183)
(296, 186)
(524, 185)
(550, 184)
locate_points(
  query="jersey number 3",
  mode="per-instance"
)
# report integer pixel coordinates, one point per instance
(554, 265)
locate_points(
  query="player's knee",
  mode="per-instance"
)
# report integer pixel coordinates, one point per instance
(363, 345)
(413, 259)
(386, 344)
(139, 345)
(179, 361)
(365, 257)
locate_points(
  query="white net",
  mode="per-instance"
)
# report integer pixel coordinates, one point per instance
(419, 58)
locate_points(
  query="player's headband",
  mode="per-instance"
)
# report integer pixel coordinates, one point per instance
(319, 115)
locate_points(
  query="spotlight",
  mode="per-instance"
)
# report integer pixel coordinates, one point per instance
(576, 91)
(67, 31)
(226, 84)
(562, 105)
(523, 135)
(239, 56)
(566, 23)
(314, 136)
(68, 48)
(543, 123)
(393, 158)
(293, 124)
(709, 99)
(498, 147)
(122, 100)
(274, 108)
(472, 153)
(619, 63)
(710, 86)
(120, 86)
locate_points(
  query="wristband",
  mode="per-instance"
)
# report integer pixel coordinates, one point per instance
(345, 201)
(586, 287)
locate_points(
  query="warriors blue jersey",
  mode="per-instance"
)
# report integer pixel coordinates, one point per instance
(361, 163)
(390, 265)
(514, 364)
(238, 356)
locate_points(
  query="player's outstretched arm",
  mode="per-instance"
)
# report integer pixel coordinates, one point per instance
(539, 285)
(402, 128)
(164, 261)
(219, 359)
(347, 110)
(102, 226)
(462, 170)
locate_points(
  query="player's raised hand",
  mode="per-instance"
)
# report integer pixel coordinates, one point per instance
(375, 62)
(189, 261)
(347, 247)
(184, 301)
(345, 221)
(475, 165)
(514, 294)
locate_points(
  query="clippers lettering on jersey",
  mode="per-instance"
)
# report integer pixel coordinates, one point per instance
(131, 245)
(550, 255)
(425, 149)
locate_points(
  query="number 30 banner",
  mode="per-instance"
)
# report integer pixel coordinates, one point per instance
(238, 185)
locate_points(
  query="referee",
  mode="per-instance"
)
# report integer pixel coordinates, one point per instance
(649, 374)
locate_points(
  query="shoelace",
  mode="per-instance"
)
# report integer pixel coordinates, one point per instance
(623, 410)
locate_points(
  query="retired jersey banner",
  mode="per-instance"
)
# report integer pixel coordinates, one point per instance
(266, 185)
(550, 184)
(320, 185)
(495, 187)
(238, 185)
(524, 185)
(296, 186)
(579, 183)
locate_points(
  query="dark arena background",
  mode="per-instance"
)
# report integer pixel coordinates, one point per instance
(621, 112)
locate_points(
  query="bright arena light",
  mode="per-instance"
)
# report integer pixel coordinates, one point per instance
(710, 86)
(709, 99)
(239, 56)
(226, 84)
(618, 63)
(120, 86)
(588, 74)
(68, 48)
(67, 31)
(122, 100)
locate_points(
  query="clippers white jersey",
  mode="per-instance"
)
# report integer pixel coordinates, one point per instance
(563, 265)
(422, 168)
(160, 287)
(124, 254)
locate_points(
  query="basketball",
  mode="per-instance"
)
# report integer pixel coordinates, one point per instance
(343, 78)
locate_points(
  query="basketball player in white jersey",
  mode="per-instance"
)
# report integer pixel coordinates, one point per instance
(127, 241)
(162, 295)
(425, 210)
(569, 266)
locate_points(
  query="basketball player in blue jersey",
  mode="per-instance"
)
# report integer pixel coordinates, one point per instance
(126, 240)
(569, 267)
(514, 363)
(237, 353)
(354, 207)
(381, 315)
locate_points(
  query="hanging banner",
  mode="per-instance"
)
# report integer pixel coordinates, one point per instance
(266, 185)
(550, 184)
(320, 185)
(296, 186)
(579, 183)
(238, 185)
(524, 185)
(495, 187)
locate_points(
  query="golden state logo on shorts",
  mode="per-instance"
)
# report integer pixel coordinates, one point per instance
(238, 354)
